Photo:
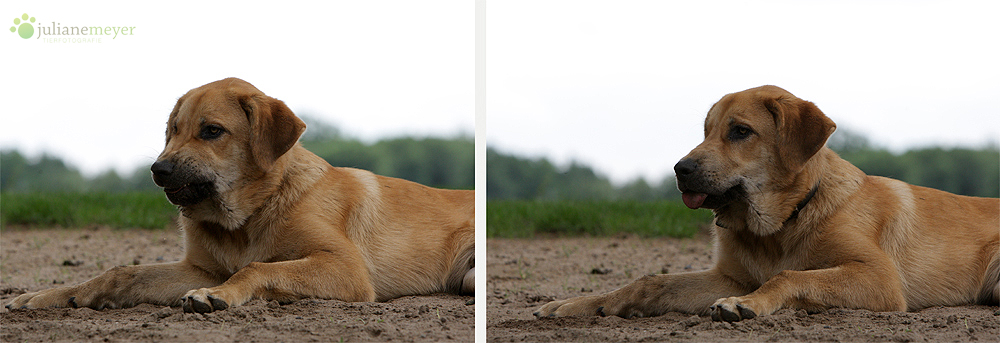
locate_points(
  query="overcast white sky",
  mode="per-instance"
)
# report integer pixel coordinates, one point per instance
(624, 86)
(619, 85)
(373, 68)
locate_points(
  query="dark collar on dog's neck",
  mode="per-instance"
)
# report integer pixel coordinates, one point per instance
(803, 203)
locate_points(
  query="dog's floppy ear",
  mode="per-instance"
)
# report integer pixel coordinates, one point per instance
(273, 128)
(802, 129)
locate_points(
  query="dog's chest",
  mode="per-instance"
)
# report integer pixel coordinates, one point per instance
(232, 251)
(233, 262)
(763, 270)
(763, 258)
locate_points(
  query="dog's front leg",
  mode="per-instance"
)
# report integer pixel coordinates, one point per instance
(870, 285)
(123, 286)
(651, 295)
(323, 274)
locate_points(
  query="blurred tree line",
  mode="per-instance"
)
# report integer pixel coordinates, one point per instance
(437, 162)
(512, 177)
(963, 171)
(958, 170)
(50, 174)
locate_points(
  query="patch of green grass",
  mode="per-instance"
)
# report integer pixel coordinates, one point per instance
(149, 210)
(524, 219)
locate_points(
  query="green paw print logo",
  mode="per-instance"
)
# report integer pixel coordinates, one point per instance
(22, 26)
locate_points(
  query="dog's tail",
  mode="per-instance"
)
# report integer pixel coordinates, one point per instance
(990, 293)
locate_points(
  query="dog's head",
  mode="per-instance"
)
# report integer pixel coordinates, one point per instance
(756, 144)
(221, 138)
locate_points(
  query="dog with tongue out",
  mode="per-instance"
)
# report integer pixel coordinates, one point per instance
(798, 227)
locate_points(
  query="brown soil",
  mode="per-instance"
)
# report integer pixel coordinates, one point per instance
(525, 274)
(32, 260)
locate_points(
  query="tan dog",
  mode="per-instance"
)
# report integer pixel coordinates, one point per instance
(798, 227)
(265, 218)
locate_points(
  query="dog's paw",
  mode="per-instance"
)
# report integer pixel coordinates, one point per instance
(548, 310)
(56, 297)
(21, 301)
(731, 309)
(203, 300)
(579, 306)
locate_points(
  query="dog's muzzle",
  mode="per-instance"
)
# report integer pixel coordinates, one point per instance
(182, 187)
(696, 189)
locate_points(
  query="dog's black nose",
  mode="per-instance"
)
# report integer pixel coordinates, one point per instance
(685, 167)
(162, 168)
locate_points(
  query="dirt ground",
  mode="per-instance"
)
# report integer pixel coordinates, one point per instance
(32, 260)
(525, 274)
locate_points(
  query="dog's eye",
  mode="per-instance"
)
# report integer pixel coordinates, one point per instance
(739, 132)
(210, 132)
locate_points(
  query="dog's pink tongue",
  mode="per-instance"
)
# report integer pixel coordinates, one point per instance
(694, 200)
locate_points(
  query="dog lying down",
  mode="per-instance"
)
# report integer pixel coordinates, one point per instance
(265, 218)
(798, 227)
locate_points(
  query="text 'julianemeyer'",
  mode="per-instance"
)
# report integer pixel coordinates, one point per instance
(56, 30)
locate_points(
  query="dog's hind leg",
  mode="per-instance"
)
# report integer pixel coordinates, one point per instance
(990, 293)
(469, 282)
(462, 277)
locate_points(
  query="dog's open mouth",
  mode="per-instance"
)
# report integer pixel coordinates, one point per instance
(188, 194)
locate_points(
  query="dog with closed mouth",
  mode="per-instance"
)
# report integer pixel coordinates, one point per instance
(265, 218)
(798, 227)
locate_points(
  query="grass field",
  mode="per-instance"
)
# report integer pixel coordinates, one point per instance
(504, 218)
(523, 219)
(149, 210)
